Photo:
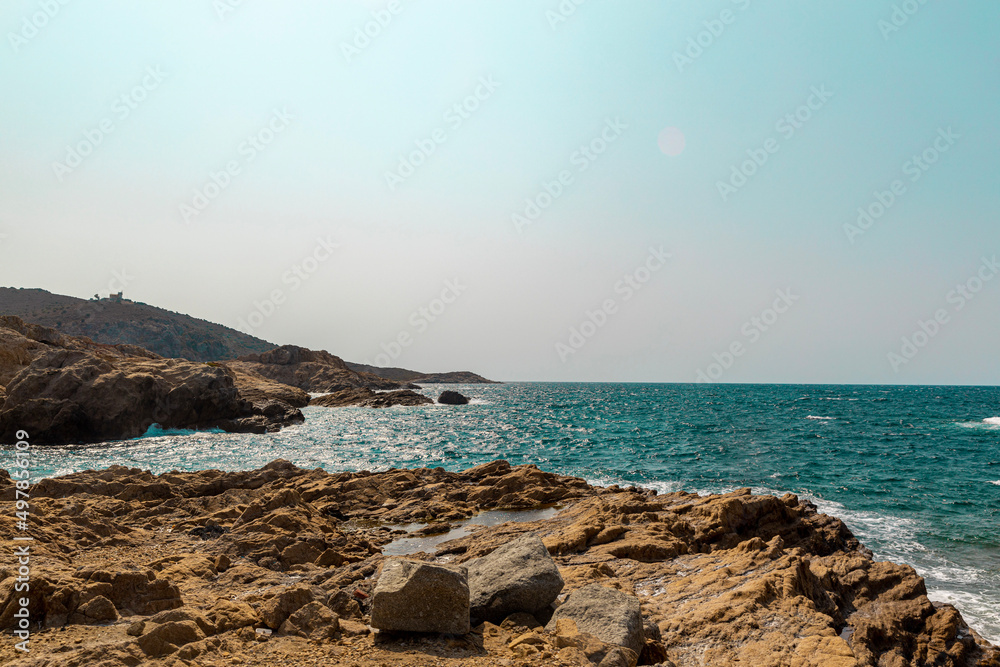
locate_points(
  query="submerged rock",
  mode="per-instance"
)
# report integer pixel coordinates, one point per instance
(412, 596)
(517, 577)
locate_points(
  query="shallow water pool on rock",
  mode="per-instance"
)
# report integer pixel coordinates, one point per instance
(406, 545)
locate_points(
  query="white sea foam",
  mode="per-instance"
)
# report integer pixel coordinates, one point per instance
(157, 431)
(895, 538)
(997, 482)
(982, 614)
(660, 487)
(815, 417)
(990, 423)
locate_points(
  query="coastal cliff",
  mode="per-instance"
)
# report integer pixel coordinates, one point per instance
(283, 565)
(65, 389)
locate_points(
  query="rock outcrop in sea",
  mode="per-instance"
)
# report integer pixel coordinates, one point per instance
(366, 398)
(449, 397)
(287, 566)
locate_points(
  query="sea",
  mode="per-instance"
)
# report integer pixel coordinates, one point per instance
(913, 471)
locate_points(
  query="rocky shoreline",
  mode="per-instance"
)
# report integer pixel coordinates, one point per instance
(283, 565)
(65, 390)
(69, 390)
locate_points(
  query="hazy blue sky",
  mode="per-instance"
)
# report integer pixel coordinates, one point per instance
(202, 153)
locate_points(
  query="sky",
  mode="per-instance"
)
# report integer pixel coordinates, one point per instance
(725, 191)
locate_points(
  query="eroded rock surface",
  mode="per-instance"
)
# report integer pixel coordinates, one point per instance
(612, 616)
(279, 566)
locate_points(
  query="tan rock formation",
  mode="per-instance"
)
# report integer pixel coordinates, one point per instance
(277, 566)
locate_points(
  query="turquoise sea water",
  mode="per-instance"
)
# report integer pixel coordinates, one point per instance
(914, 471)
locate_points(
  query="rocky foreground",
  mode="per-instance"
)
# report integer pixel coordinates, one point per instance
(284, 566)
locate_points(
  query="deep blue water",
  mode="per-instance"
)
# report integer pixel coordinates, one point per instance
(914, 471)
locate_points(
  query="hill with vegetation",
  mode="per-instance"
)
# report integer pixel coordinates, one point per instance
(115, 322)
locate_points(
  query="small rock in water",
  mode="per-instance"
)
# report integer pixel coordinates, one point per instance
(449, 397)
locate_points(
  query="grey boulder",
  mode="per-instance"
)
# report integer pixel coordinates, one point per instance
(518, 577)
(412, 596)
(610, 615)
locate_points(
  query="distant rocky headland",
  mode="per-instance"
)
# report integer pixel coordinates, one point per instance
(405, 376)
(76, 371)
(115, 320)
(286, 566)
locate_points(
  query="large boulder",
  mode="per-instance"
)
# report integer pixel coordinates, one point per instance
(413, 596)
(449, 397)
(518, 577)
(610, 615)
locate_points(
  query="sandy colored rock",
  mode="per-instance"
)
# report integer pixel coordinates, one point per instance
(613, 617)
(313, 621)
(619, 656)
(277, 609)
(166, 638)
(98, 609)
(315, 371)
(419, 597)
(227, 615)
(754, 580)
